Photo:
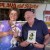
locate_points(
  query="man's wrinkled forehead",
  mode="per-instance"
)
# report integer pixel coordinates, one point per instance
(30, 10)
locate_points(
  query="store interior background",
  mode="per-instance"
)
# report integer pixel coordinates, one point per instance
(39, 12)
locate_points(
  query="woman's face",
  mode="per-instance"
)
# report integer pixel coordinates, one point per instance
(13, 15)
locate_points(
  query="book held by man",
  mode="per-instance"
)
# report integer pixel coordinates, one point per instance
(31, 36)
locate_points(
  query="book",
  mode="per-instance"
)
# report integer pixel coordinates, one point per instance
(31, 36)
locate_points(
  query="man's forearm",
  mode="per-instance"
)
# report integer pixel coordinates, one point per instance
(47, 39)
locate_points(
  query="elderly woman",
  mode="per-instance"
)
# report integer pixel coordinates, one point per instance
(10, 30)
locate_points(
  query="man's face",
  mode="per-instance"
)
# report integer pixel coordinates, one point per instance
(13, 15)
(29, 16)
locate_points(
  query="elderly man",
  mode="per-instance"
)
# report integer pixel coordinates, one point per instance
(42, 35)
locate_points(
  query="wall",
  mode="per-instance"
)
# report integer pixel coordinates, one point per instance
(40, 9)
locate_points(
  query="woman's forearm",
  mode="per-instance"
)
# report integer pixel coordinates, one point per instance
(4, 34)
(1, 34)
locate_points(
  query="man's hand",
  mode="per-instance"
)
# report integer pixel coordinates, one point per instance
(38, 45)
(24, 44)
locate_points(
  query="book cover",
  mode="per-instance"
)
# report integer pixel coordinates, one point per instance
(31, 36)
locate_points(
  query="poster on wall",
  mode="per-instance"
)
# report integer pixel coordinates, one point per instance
(47, 19)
